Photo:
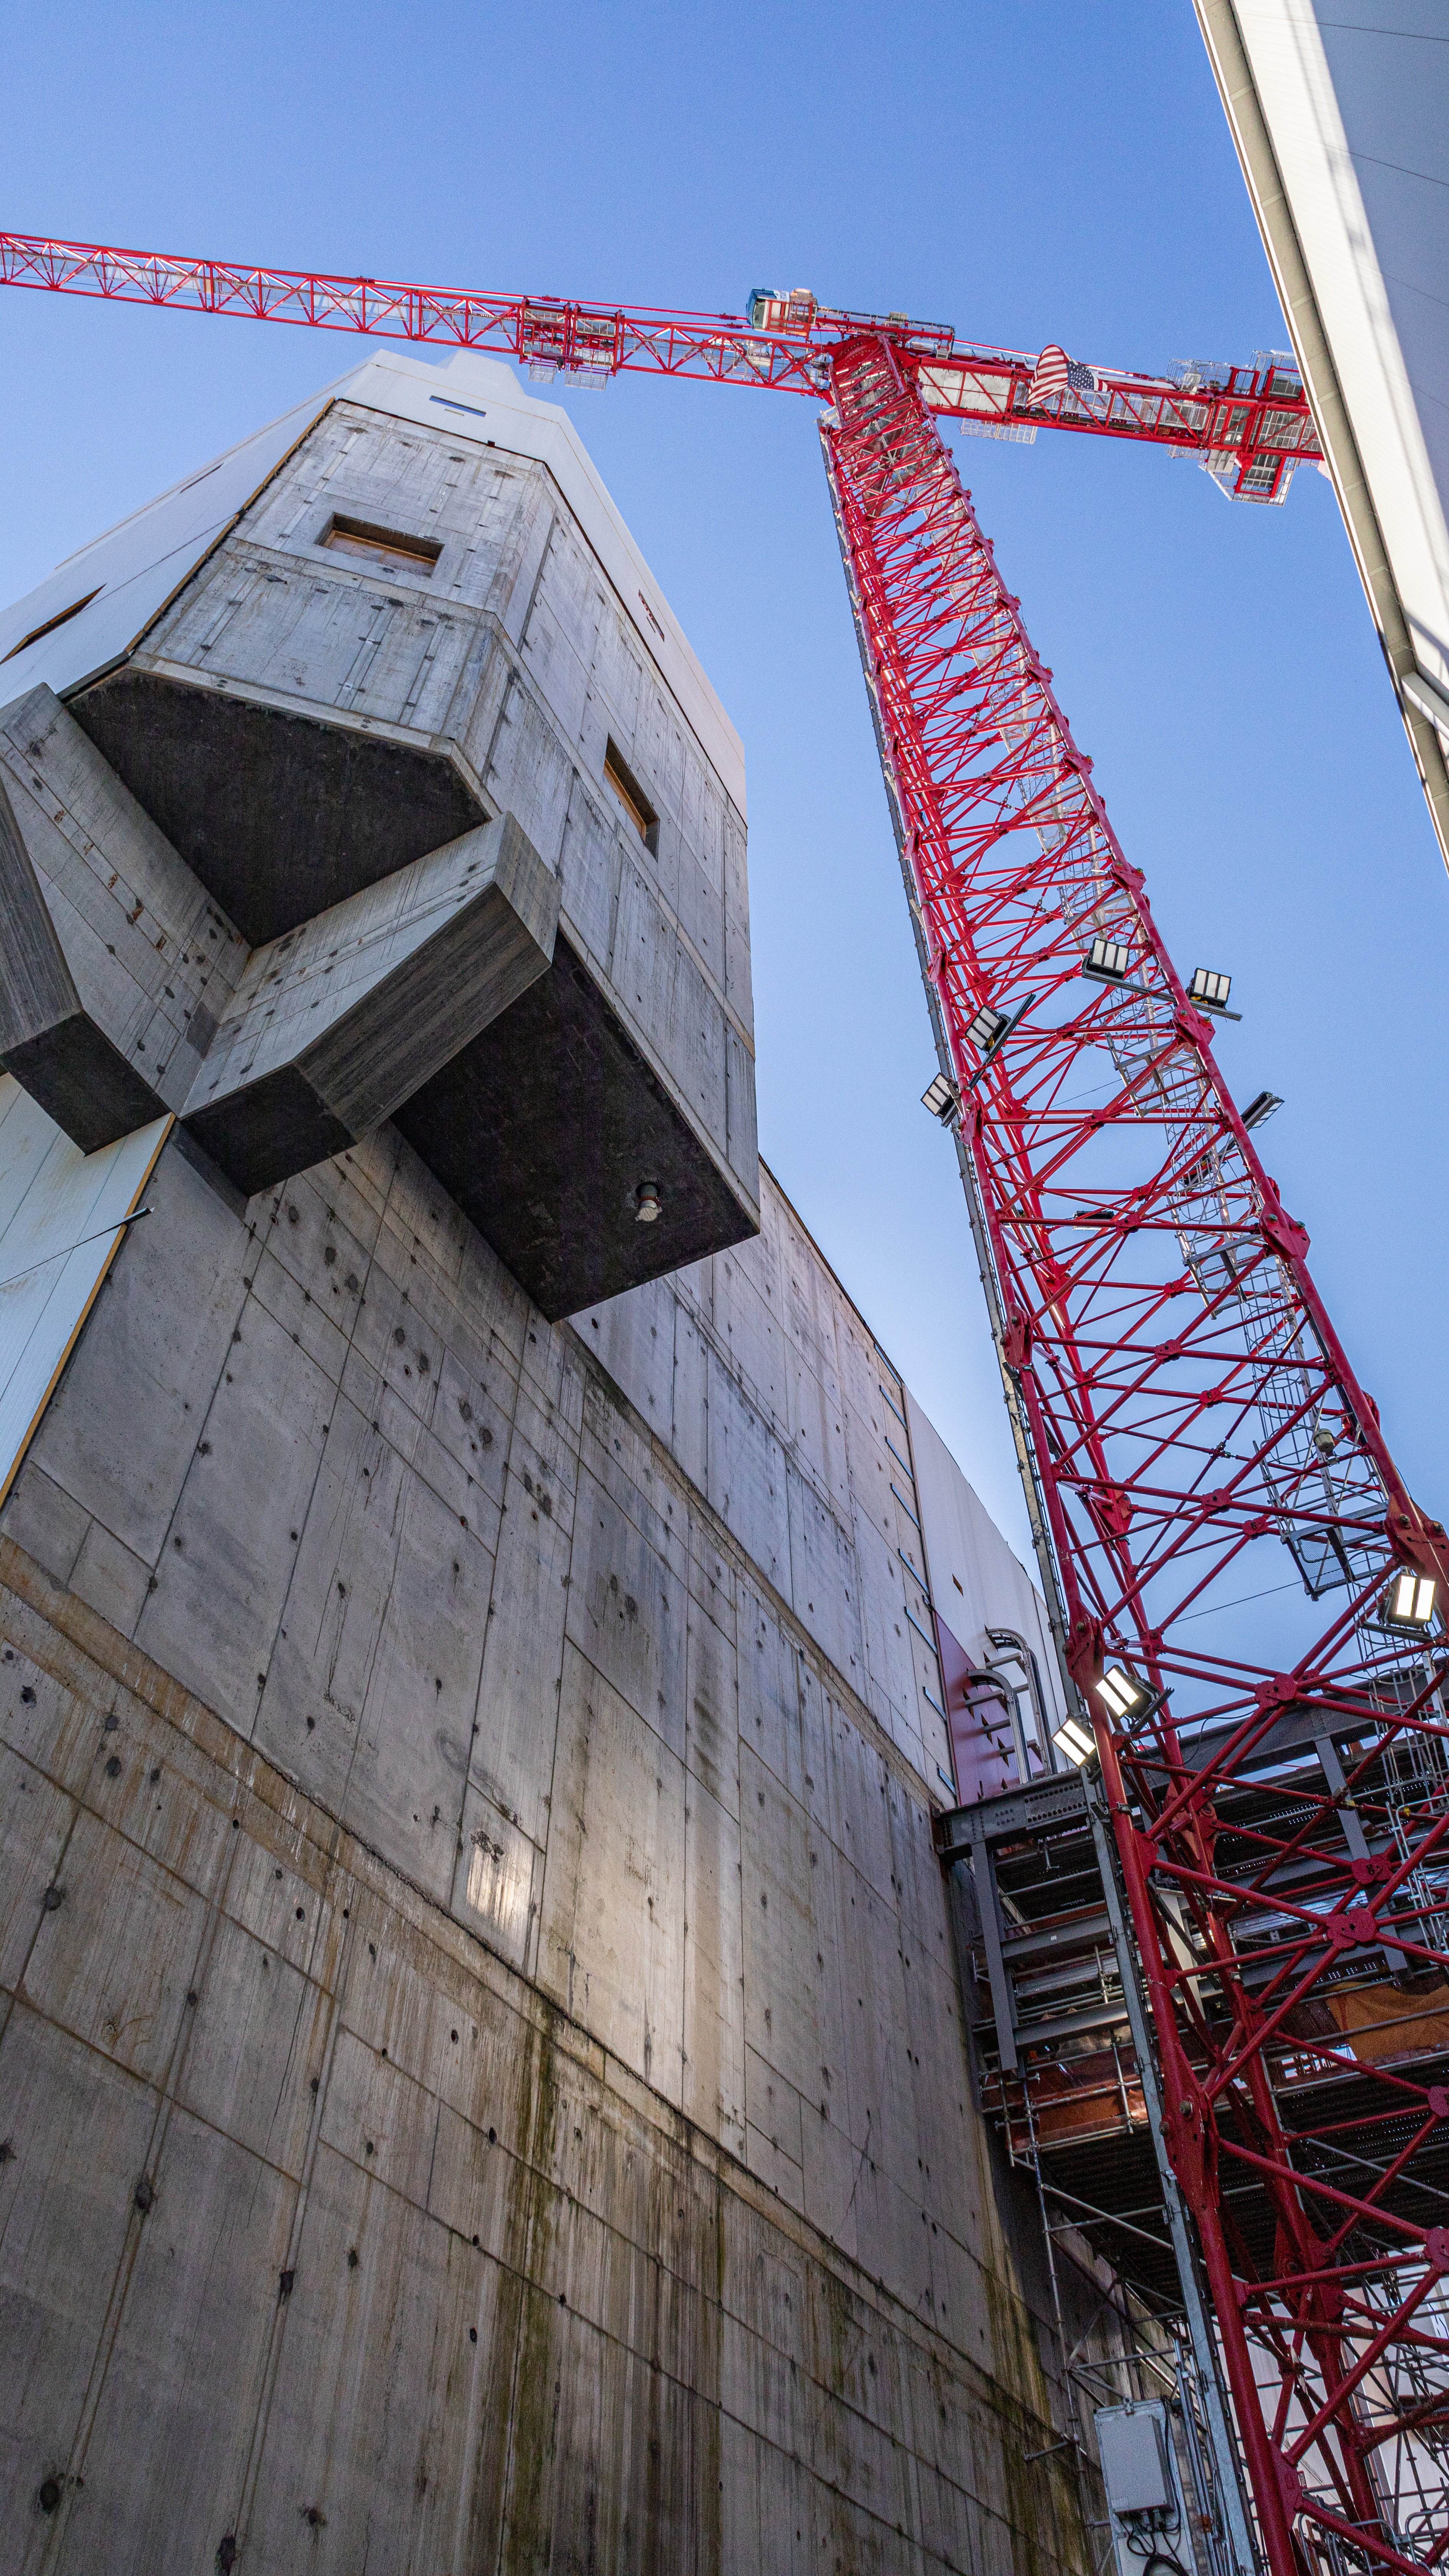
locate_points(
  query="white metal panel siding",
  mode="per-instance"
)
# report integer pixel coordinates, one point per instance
(1306, 120)
(1278, 91)
(1392, 87)
(137, 565)
(60, 1213)
(976, 1582)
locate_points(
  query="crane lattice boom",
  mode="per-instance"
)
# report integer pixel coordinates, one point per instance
(1252, 425)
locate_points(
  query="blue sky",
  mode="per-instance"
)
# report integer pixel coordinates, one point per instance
(1027, 172)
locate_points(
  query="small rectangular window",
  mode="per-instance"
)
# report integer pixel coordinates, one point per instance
(49, 624)
(631, 796)
(382, 545)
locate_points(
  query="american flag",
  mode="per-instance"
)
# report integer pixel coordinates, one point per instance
(1056, 373)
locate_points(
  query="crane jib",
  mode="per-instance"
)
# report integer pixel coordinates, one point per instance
(1251, 425)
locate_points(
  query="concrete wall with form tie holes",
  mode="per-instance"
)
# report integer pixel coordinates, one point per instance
(482, 2075)
(239, 724)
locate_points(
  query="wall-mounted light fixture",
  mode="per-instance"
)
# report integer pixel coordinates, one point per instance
(1107, 960)
(1123, 1694)
(988, 1029)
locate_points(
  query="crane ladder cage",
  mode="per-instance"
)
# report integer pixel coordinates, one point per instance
(1281, 1797)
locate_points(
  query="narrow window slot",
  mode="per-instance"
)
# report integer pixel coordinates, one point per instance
(631, 796)
(49, 625)
(382, 545)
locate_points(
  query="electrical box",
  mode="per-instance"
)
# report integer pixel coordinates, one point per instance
(1132, 2441)
(1145, 2499)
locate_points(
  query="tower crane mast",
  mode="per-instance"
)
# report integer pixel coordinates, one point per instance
(1181, 1399)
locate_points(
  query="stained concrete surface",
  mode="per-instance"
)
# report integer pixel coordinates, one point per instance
(480, 2048)
(609, 1762)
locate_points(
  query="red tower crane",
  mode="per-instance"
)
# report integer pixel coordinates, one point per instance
(1179, 1396)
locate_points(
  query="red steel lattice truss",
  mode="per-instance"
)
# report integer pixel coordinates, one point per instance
(1187, 1401)
(1253, 424)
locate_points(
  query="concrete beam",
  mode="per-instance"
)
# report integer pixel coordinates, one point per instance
(279, 810)
(334, 1025)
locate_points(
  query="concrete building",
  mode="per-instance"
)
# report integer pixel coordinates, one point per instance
(483, 2078)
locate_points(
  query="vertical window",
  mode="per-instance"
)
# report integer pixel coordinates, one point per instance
(631, 796)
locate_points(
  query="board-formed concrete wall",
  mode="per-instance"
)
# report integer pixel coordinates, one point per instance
(516, 650)
(469, 1873)
(482, 2076)
(426, 618)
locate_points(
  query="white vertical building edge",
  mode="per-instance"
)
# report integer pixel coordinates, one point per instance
(62, 1220)
(1290, 71)
(1278, 94)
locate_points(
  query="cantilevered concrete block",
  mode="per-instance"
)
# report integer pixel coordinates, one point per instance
(280, 814)
(114, 963)
(418, 614)
(544, 1130)
(333, 1026)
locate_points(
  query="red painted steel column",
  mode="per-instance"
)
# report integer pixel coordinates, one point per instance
(1192, 1414)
